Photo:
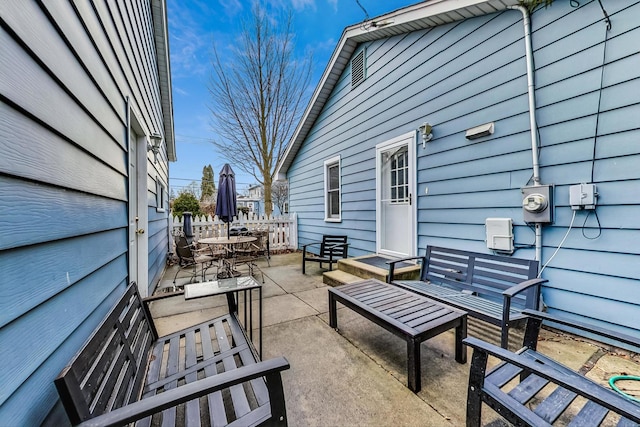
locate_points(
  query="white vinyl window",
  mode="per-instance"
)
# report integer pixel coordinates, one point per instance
(160, 196)
(332, 196)
(399, 171)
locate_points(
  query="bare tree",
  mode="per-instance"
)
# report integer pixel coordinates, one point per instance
(257, 96)
(280, 193)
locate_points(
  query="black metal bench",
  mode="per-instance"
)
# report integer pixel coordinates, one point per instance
(330, 250)
(492, 288)
(211, 371)
(544, 391)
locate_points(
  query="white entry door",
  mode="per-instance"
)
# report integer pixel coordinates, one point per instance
(395, 194)
(138, 217)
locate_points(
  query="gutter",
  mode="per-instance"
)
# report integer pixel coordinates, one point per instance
(532, 116)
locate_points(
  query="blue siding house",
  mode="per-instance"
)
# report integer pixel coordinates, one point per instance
(86, 134)
(503, 117)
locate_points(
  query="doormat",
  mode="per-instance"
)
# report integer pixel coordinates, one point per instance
(381, 262)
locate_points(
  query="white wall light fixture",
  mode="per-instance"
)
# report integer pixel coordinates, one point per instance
(154, 146)
(426, 133)
(480, 131)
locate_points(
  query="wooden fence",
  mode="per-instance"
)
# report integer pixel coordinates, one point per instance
(283, 231)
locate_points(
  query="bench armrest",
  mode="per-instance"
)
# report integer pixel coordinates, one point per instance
(304, 247)
(616, 336)
(576, 383)
(514, 290)
(170, 398)
(392, 265)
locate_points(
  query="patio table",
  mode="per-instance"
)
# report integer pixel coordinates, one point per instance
(404, 313)
(232, 242)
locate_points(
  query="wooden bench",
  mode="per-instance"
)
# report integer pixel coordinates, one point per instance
(544, 391)
(125, 372)
(403, 313)
(330, 250)
(492, 288)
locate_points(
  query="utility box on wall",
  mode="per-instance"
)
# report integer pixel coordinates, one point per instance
(499, 234)
(537, 204)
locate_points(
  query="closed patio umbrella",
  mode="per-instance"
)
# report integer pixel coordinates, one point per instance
(226, 207)
(187, 227)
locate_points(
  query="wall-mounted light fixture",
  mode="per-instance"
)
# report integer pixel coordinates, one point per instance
(426, 133)
(154, 146)
(480, 131)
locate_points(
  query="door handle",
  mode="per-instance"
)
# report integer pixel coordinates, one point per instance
(140, 230)
(410, 199)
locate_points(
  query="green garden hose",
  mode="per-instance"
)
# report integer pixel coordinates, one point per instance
(612, 383)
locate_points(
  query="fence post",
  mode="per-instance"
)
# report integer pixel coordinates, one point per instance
(293, 230)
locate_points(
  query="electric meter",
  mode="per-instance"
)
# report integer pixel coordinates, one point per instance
(535, 203)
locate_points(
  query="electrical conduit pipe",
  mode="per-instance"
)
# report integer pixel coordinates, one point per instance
(532, 115)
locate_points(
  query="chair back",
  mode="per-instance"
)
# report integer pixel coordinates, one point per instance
(183, 250)
(334, 245)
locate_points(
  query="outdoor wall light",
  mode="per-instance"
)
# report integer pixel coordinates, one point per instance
(426, 133)
(156, 142)
(480, 131)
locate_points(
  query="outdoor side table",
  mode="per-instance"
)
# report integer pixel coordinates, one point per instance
(232, 288)
(413, 317)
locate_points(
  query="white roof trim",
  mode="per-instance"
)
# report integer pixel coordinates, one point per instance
(161, 37)
(420, 16)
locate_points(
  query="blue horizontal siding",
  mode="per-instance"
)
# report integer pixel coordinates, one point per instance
(38, 213)
(80, 321)
(21, 359)
(59, 265)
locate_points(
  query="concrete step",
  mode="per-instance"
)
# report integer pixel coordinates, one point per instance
(339, 277)
(374, 267)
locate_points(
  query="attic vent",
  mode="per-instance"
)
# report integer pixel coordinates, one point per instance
(357, 69)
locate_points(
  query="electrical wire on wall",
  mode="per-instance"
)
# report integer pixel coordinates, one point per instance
(573, 217)
(595, 136)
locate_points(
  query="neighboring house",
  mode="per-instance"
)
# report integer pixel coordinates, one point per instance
(254, 200)
(83, 203)
(357, 163)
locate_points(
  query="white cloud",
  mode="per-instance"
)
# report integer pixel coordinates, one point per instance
(334, 4)
(301, 4)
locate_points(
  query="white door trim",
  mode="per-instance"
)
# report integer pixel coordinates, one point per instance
(412, 226)
(138, 229)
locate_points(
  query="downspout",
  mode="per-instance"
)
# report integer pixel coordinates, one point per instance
(532, 115)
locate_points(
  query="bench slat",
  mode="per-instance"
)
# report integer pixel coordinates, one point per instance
(528, 388)
(192, 410)
(217, 415)
(240, 402)
(553, 406)
(591, 414)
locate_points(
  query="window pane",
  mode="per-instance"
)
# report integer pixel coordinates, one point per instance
(334, 204)
(334, 179)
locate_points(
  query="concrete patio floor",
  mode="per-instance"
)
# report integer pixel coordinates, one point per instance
(357, 376)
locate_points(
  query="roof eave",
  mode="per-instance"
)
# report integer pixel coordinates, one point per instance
(161, 38)
(412, 18)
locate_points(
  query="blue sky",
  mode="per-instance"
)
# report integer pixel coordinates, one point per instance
(194, 27)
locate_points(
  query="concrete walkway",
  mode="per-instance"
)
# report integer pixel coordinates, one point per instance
(357, 376)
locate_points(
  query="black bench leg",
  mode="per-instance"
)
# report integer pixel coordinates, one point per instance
(276, 400)
(413, 364)
(333, 312)
(476, 382)
(461, 333)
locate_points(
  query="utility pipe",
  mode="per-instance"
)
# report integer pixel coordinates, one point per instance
(532, 115)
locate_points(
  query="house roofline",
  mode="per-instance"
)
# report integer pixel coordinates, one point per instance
(161, 39)
(420, 16)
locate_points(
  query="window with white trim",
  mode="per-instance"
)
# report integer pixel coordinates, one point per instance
(160, 196)
(400, 176)
(332, 196)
